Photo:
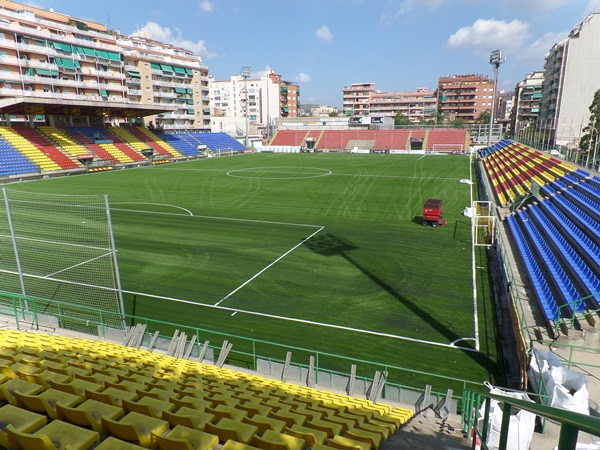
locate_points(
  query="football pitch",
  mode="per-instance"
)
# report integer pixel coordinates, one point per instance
(321, 252)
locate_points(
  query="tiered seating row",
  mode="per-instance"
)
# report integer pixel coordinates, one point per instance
(66, 391)
(14, 162)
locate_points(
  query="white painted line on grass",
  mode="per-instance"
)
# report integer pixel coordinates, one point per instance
(146, 203)
(308, 322)
(77, 265)
(267, 267)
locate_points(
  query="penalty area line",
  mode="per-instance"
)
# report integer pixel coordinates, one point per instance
(304, 321)
(267, 267)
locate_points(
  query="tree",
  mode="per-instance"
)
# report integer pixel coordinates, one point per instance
(484, 117)
(459, 122)
(589, 139)
(401, 120)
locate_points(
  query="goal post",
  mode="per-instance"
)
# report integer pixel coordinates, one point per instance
(483, 222)
(61, 248)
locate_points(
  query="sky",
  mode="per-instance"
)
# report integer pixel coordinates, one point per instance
(325, 45)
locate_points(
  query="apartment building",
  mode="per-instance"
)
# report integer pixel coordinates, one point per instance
(357, 99)
(464, 97)
(528, 97)
(258, 100)
(61, 70)
(570, 79)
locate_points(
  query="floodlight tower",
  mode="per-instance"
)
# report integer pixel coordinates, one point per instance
(245, 73)
(496, 58)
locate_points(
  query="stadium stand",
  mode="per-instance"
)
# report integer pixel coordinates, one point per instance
(556, 237)
(184, 143)
(217, 142)
(289, 137)
(93, 138)
(152, 140)
(14, 162)
(29, 150)
(136, 397)
(447, 140)
(64, 141)
(46, 147)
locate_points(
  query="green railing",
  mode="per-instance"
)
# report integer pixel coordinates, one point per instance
(246, 351)
(571, 423)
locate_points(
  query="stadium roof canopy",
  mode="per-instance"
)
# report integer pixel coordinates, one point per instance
(101, 107)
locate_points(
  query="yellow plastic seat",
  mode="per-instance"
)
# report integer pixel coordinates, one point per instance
(290, 418)
(88, 414)
(8, 388)
(183, 438)
(234, 445)
(148, 406)
(191, 402)
(188, 417)
(135, 427)
(264, 423)
(56, 435)
(20, 419)
(111, 443)
(373, 439)
(253, 408)
(221, 411)
(271, 440)
(330, 428)
(111, 396)
(344, 443)
(45, 403)
(76, 386)
(310, 435)
(228, 429)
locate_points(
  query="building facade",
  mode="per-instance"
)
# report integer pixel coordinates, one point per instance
(464, 97)
(570, 80)
(357, 99)
(419, 106)
(60, 70)
(238, 103)
(361, 99)
(528, 97)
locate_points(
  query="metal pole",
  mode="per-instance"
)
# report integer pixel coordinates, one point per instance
(115, 262)
(491, 124)
(14, 242)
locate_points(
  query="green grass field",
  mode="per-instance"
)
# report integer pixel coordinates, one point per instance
(324, 252)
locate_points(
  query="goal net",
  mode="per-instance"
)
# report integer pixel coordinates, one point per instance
(58, 251)
(484, 223)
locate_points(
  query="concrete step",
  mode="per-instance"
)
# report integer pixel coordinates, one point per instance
(427, 432)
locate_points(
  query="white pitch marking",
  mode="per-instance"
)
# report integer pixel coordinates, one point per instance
(267, 267)
(308, 322)
(233, 313)
(77, 265)
(146, 203)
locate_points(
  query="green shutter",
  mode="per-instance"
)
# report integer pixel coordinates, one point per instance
(190, 101)
(114, 56)
(180, 100)
(166, 68)
(189, 71)
(58, 62)
(47, 73)
(63, 47)
(179, 69)
(133, 74)
(154, 66)
(180, 90)
(190, 91)
(89, 51)
(191, 111)
(103, 93)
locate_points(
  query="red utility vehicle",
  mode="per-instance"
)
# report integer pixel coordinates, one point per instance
(432, 213)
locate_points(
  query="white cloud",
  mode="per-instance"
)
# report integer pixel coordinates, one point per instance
(303, 77)
(489, 34)
(164, 34)
(264, 73)
(536, 51)
(206, 6)
(408, 6)
(324, 34)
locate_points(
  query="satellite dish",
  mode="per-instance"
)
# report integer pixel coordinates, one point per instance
(51, 10)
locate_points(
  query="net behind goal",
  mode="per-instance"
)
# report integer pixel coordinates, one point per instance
(60, 248)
